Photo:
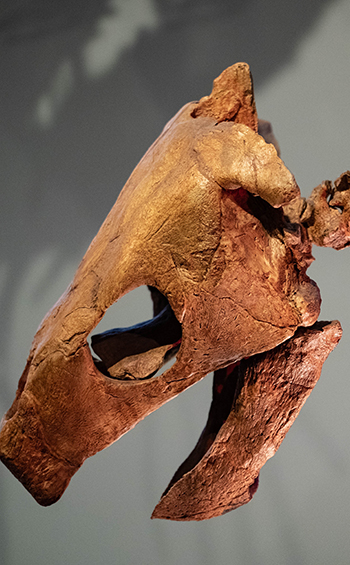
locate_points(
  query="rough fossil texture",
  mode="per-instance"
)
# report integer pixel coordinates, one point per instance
(212, 221)
(254, 404)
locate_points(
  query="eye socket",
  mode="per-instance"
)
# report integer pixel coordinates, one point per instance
(140, 350)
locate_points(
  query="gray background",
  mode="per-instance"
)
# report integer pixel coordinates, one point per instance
(86, 87)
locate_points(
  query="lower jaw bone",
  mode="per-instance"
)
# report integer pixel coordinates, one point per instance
(266, 393)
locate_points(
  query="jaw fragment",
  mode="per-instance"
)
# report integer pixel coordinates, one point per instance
(254, 405)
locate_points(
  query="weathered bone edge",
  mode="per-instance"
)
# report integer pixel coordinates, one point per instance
(268, 392)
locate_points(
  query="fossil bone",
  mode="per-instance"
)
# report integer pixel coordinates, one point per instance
(201, 221)
(254, 405)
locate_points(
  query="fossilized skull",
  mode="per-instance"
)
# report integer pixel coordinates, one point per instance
(212, 221)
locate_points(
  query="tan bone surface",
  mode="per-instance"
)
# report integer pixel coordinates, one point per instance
(199, 219)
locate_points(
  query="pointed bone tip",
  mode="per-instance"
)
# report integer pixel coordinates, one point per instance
(27, 456)
(231, 98)
(333, 329)
(237, 73)
(154, 515)
(177, 510)
(159, 514)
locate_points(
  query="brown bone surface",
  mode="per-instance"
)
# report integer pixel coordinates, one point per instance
(265, 393)
(212, 220)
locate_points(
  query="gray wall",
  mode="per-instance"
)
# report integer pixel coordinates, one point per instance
(86, 87)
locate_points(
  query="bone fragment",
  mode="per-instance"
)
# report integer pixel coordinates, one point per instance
(267, 392)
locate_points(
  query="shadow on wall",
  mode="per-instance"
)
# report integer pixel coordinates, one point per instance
(198, 39)
(89, 85)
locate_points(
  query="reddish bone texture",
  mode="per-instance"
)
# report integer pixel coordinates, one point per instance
(213, 222)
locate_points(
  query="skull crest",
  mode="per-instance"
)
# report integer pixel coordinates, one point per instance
(213, 222)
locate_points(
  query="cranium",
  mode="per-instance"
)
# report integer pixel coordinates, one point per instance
(212, 221)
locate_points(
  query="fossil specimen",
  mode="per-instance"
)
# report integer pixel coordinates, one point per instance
(213, 222)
